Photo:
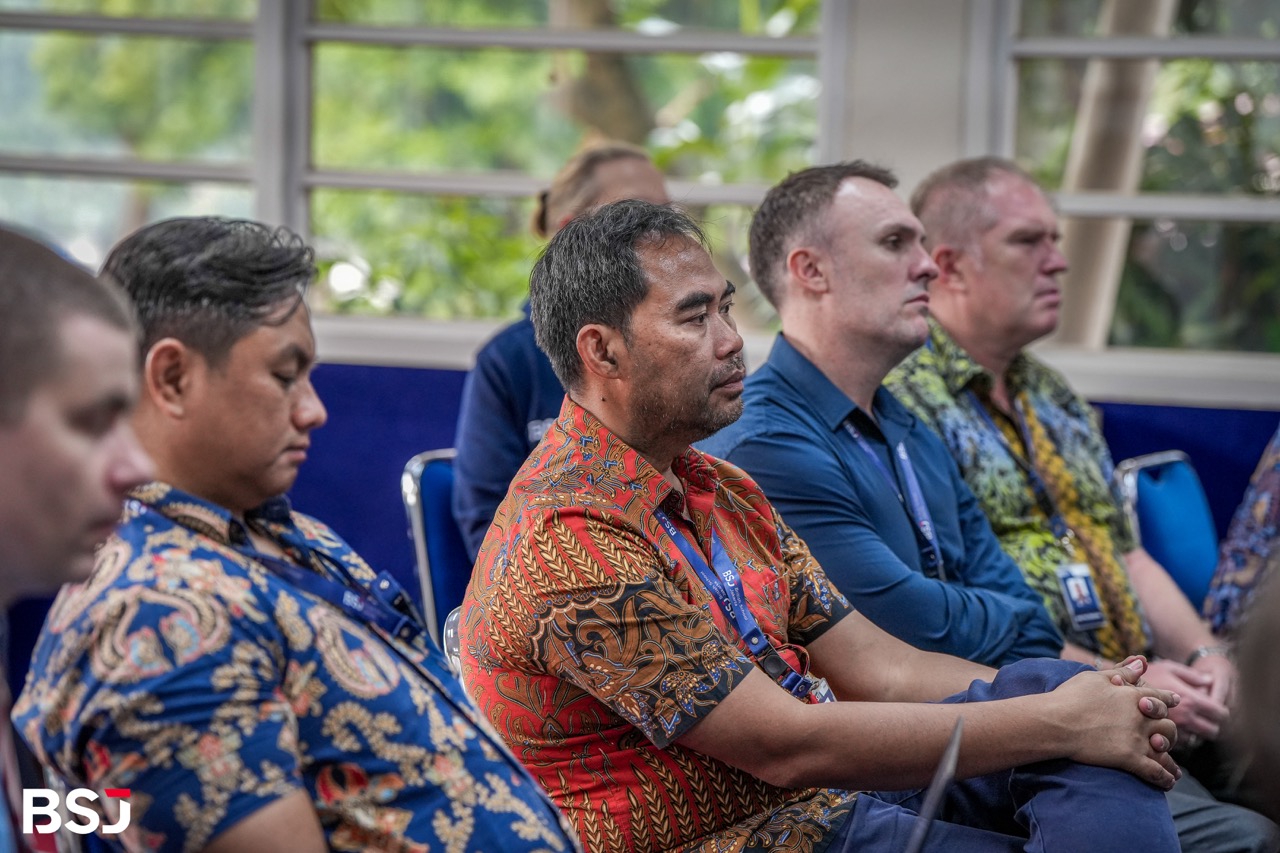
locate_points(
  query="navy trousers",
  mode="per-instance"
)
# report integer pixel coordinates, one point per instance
(1051, 806)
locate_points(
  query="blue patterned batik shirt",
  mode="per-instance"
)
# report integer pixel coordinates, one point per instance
(191, 673)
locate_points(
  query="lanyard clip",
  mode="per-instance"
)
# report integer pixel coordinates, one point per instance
(796, 684)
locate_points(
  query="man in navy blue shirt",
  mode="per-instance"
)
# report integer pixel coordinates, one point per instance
(872, 489)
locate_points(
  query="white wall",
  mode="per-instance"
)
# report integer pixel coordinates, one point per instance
(907, 66)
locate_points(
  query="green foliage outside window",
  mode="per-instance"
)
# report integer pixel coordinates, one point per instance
(1211, 127)
(715, 118)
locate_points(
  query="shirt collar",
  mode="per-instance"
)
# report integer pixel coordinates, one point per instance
(832, 406)
(958, 369)
(690, 466)
(953, 364)
(208, 518)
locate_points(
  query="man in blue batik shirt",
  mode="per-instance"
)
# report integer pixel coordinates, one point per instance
(232, 663)
(868, 486)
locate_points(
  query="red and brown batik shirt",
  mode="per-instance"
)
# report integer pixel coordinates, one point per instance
(592, 646)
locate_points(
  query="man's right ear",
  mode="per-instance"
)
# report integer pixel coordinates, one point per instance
(807, 268)
(598, 347)
(950, 270)
(167, 375)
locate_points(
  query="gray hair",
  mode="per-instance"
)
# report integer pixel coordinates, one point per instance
(954, 202)
(590, 273)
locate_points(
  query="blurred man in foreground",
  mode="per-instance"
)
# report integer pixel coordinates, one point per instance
(68, 455)
(231, 662)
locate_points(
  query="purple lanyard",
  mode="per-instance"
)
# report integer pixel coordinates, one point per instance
(914, 504)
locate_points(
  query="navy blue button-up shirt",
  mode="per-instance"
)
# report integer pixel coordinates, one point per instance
(792, 440)
(509, 399)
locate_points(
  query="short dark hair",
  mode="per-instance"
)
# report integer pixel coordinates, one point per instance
(953, 202)
(796, 207)
(209, 281)
(39, 290)
(590, 273)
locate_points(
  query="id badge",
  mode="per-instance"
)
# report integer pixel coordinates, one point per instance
(820, 690)
(1081, 597)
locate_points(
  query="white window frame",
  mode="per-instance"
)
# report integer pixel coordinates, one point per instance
(282, 177)
(1231, 380)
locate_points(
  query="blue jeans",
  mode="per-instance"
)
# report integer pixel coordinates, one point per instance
(1052, 806)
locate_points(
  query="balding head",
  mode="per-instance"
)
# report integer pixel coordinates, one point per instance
(954, 202)
(994, 235)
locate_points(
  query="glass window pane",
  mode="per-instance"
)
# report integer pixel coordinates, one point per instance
(1208, 127)
(216, 9)
(451, 257)
(715, 118)
(656, 17)
(1200, 285)
(726, 227)
(1242, 18)
(87, 217)
(431, 256)
(153, 98)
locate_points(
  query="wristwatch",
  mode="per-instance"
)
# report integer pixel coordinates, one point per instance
(1205, 651)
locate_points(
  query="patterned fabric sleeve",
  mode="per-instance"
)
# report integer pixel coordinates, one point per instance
(598, 608)
(176, 693)
(1249, 551)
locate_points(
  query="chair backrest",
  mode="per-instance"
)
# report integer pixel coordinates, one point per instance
(451, 641)
(1171, 517)
(444, 565)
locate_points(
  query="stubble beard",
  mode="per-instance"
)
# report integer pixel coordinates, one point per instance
(661, 416)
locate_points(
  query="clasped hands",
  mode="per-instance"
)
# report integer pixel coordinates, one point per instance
(1154, 704)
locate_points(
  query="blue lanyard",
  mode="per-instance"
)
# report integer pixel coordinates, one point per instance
(1038, 488)
(725, 585)
(388, 607)
(385, 606)
(914, 504)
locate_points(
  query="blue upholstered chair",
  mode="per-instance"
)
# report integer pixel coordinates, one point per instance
(1171, 516)
(444, 566)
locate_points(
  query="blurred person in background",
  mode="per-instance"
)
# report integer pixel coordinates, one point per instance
(512, 395)
(1251, 548)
